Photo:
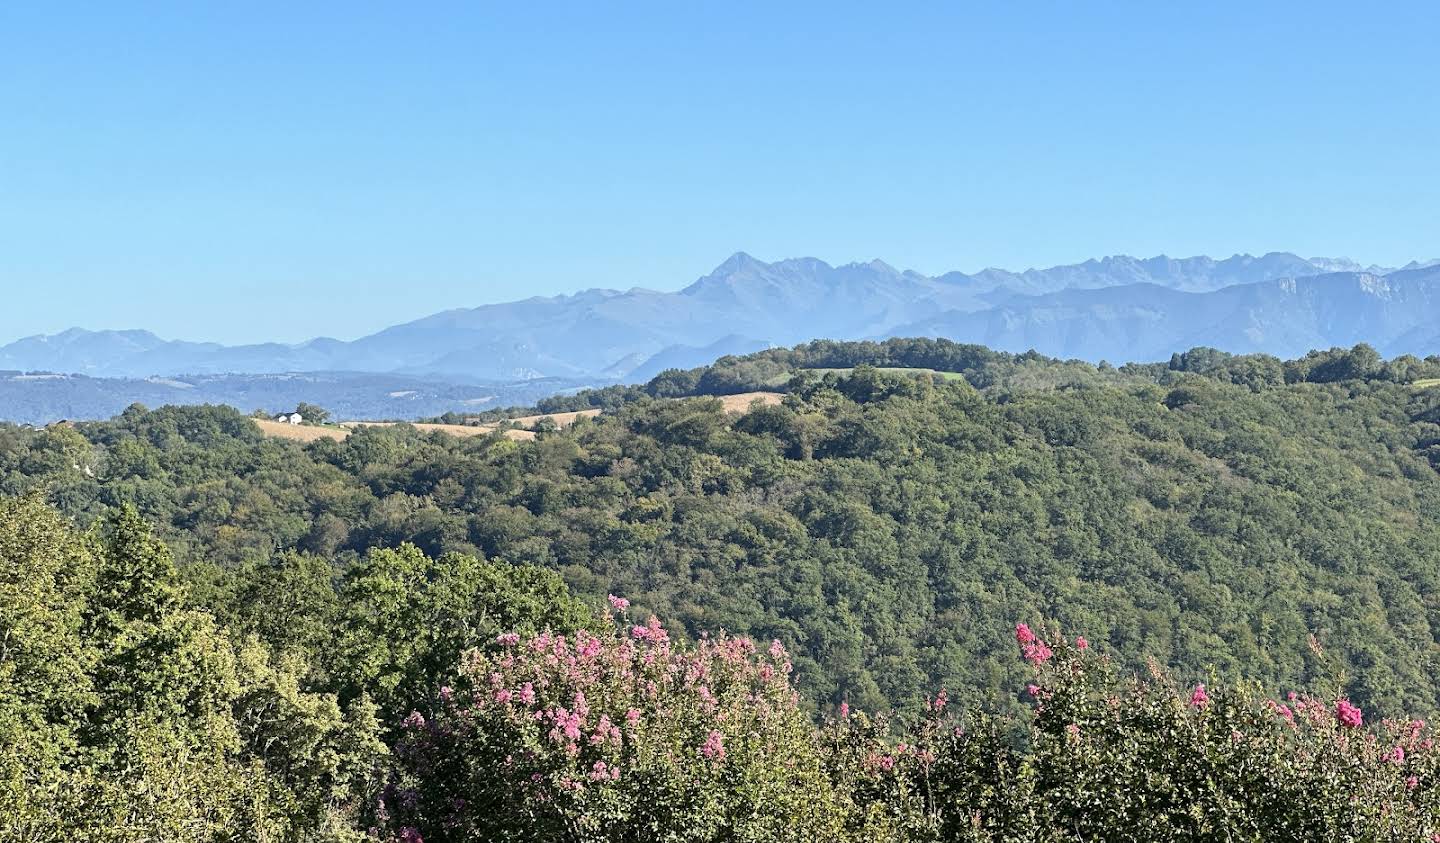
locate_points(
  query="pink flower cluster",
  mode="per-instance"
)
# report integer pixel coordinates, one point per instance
(1024, 635)
(1032, 648)
(652, 632)
(1348, 715)
(557, 717)
(714, 747)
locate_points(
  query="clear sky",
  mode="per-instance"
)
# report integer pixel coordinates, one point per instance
(249, 171)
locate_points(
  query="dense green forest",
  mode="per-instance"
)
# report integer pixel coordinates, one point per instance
(1240, 519)
(1212, 513)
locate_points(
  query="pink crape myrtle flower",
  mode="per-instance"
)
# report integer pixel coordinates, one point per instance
(1198, 697)
(1347, 714)
(714, 746)
(1024, 635)
(1081, 644)
(1037, 653)
(652, 631)
(602, 772)
(619, 604)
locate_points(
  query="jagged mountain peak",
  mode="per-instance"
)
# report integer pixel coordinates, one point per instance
(1098, 307)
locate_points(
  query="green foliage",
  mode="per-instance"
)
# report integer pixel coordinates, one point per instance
(127, 713)
(1220, 508)
(407, 619)
(312, 413)
(228, 640)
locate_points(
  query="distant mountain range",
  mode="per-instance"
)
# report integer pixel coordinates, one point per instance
(1116, 308)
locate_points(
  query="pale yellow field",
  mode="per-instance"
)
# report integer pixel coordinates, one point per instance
(561, 419)
(299, 432)
(741, 402)
(306, 433)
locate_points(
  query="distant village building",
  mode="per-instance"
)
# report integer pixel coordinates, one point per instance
(290, 418)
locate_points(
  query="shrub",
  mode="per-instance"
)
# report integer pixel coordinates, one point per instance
(619, 736)
(1142, 758)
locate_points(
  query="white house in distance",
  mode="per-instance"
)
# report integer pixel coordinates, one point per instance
(290, 418)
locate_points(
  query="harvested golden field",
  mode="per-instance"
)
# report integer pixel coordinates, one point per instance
(741, 402)
(299, 432)
(307, 433)
(561, 419)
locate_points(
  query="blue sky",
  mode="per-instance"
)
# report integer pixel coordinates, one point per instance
(253, 171)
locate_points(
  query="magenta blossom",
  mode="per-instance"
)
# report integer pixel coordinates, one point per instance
(1081, 643)
(1037, 653)
(619, 604)
(1198, 697)
(714, 746)
(1023, 634)
(1348, 714)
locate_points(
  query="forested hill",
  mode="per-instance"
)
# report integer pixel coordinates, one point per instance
(888, 526)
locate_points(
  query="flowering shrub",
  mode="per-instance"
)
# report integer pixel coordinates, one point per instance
(1110, 758)
(627, 736)
(612, 737)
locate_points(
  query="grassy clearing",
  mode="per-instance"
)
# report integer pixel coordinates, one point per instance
(307, 433)
(299, 432)
(1427, 383)
(741, 402)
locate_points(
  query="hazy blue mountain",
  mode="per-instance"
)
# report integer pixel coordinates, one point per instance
(689, 357)
(1197, 274)
(1287, 317)
(1119, 307)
